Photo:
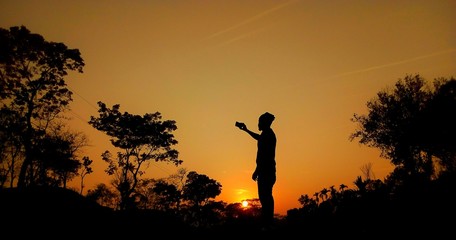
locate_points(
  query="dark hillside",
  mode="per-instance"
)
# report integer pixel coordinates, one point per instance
(61, 213)
(45, 210)
(49, 212)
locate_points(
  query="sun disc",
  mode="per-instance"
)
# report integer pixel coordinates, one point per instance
(245, 203)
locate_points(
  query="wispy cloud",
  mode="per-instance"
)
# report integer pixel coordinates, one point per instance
(240, 191)
(327, 80)
(247, 21)
(242, 36)
(450, 50)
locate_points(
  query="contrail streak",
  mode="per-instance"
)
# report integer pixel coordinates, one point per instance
(254, 18)
(242, 36)
(328, 79)
(397, 63)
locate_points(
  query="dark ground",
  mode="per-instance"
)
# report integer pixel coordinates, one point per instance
(61, 213)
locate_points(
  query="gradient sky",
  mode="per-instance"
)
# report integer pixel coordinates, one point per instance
(207, 64)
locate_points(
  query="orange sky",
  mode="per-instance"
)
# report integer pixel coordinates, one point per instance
(207, 64)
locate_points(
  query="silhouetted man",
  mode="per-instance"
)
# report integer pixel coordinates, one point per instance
(265, 171)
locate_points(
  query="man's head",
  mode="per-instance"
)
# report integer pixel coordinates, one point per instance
(265, 121)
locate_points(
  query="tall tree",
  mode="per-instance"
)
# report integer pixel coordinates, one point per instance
(168, 195)
(411, 125)
(140, 139)
(32, 83)
(437, 125)
(11, 149)
(65, 146)
(199, 191)
(86, 170)
(104, 196)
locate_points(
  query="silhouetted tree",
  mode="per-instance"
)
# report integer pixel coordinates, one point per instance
(234, 210)
(11, 149)
(168, 196)
(32, 72)
(398, 120)
(317, 197)
(250, 212)
(66, 167)
(367, 171)
(324, 194)
(141, 139)
(437, 125)
(254, 206)
(86, 170)
(55, 163)
(361, 185)
(178, 180)
(198, 191)
(199, 188)
(305, 200)
(163, 194)
(413, 126)
(342, 187)
(104, 196)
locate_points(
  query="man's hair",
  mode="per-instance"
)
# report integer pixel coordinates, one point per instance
(267, 117)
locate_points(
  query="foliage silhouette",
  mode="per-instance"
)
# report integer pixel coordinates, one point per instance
(33, 86)
(140, 139)
(412, 125)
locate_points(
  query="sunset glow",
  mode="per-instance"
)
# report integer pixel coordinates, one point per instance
(208, 64)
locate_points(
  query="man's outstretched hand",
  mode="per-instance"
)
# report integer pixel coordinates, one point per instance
(241, 125)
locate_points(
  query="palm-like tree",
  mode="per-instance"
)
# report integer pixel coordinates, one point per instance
(324, 194)
(317, 196)
(361, 185)
(342, 187)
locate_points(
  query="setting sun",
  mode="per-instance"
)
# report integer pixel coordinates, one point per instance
(245, 204)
